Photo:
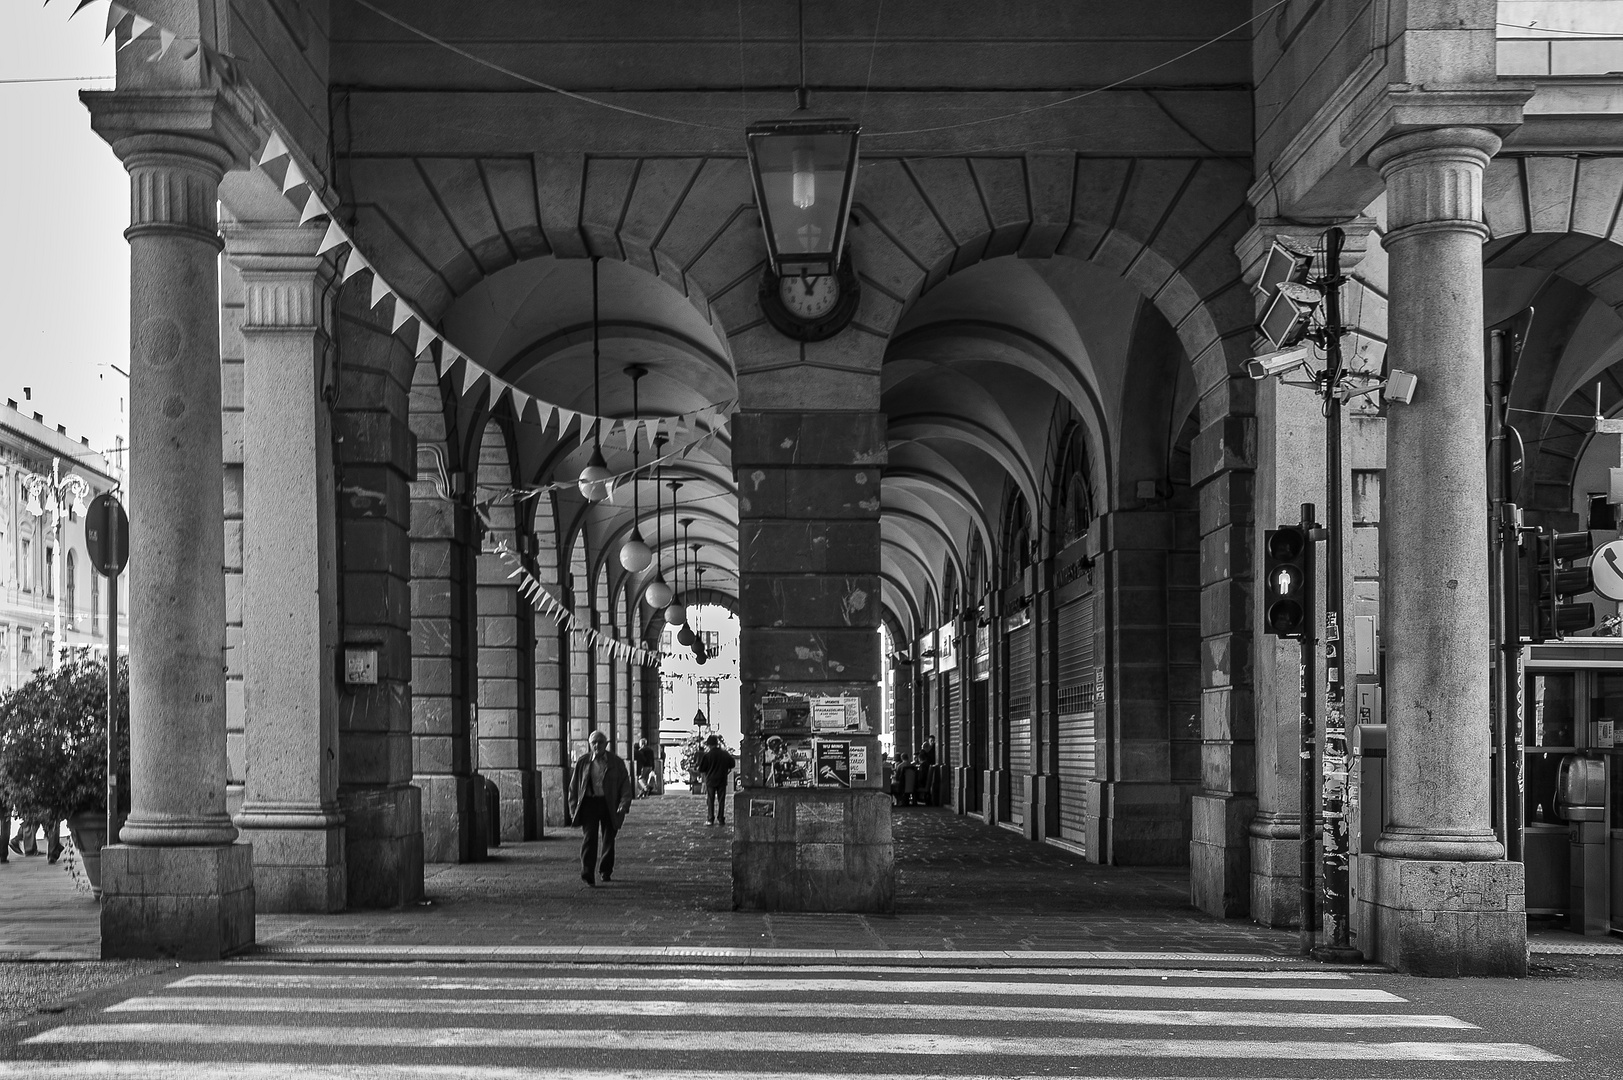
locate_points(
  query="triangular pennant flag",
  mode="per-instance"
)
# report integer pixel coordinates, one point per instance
(498, 389)
(521, 401)
(189, 50)
(80, 6)
(380, 289)
(587, 429)
(425, 336)
(166, 38)
(651, 431)
(443, 362)
(116, 13)
(334, 238)
(543, 412)
(273, 148)
(138, 26)
(402, 314)
(565, 418)
(293, 178)
(313, 208)
(355, 264)
(626, 429)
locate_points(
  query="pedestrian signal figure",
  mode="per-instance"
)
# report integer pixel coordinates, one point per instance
(715, 766)
(599, 796)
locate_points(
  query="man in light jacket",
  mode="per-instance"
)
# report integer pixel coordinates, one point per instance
(599, 796)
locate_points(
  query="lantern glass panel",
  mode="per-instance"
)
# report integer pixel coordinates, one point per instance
(803, 183)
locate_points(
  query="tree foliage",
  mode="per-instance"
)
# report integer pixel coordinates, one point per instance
(53, 740)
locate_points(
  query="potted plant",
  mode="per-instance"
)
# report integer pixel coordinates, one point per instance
(53, 752)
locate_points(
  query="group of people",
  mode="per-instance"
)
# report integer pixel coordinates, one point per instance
(26, 839)
(601, 790)
(914, 782)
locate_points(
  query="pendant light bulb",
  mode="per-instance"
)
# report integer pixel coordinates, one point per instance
(685, 635)
(676, 613)
(635, 554)
(594, 486)
(659, 593)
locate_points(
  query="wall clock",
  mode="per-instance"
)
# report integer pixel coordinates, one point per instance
(810, 308)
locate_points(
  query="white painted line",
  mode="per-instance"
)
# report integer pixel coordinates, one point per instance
(775, 1042)
(498, 1007)
(858, 971)
(264, 1070)
(858, 956)
(757, 987)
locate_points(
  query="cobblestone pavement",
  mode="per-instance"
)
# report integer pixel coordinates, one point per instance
(44, 914)
(961, 886)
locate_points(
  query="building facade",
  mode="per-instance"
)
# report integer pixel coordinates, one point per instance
(1032, 450)
(46, 577)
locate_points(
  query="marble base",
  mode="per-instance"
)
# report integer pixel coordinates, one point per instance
(179, 903)
(811, 849)
(447, 817)
(1220, 854)
(1441, 918)
(298, 870)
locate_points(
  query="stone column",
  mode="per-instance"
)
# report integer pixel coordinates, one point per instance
(1437, 897)
(809, 569)
(176, 884)
(290, 572)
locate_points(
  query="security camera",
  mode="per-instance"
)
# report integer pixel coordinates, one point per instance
(1400, 386)
(1282, 362)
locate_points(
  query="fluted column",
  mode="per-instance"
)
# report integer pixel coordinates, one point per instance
(1436, 897)
(290, 571)
(176, 884)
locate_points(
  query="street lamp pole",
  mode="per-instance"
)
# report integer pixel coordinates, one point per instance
(50, 496)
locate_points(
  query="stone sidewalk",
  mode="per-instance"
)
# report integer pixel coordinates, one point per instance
(961, 887)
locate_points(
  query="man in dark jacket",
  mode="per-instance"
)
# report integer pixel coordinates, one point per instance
(715, 766)
(599, 796)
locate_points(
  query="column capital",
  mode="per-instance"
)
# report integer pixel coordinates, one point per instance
(1434, 179)
(283, 276)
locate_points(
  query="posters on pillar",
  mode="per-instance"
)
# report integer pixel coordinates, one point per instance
(833, 763)
(815, 708)
(788, 762)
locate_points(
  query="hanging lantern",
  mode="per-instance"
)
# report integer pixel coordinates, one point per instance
(676, 613)
(804, 173)
(659, 593)
(594, 486)
(635, 554)
(685, 635)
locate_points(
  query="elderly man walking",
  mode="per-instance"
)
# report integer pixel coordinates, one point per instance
(599, 796)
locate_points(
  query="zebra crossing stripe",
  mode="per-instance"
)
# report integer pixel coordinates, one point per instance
(789, 986)
(182, 1003)
(780, 1042)
(262, 1070)
(869, 971)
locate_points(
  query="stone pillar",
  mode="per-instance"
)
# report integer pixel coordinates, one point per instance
(176, 884)
(290, 572)
(809, 567)
(1437, 897)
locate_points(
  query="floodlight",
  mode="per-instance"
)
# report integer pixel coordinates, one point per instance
(1285, 263)
(1288, 314)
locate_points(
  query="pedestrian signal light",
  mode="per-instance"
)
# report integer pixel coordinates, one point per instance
(1287, 607)
(1556, 580)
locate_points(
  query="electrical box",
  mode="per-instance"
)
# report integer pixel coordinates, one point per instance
(361, 665)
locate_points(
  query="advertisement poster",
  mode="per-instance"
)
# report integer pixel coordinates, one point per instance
(859, 762)
(834, 764)
(828, 714)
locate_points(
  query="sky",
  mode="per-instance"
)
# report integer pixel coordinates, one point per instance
(64, 277)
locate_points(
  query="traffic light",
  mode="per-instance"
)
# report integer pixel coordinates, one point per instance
(1556, 580)
(1287, 606)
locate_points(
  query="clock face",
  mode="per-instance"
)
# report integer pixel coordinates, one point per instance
(809, 298)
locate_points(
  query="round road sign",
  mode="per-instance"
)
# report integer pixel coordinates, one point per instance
(107, 535)
(1606, 567)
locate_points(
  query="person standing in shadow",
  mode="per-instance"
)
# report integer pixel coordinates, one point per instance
(715, 767)
(599, 795)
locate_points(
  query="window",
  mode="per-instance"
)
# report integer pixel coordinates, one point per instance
(72, 591)
(27, 574)
(95, 603)
(50, 571)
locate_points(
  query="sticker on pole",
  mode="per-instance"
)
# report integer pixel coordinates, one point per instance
(1606, 567)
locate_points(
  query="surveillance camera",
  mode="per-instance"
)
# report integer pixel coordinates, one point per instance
(1400, 386)
(1282, 362)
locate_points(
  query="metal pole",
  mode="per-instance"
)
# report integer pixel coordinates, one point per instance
(113, 787)
(1333, 796)
(1505, 603)
(1305, 772)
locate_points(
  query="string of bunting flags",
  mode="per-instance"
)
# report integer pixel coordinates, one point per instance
(451, 362)
(542, 599)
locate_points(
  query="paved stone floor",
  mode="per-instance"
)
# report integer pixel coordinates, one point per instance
(961, 886)
(44, 915)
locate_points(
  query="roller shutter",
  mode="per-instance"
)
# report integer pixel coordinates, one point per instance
(1020, 702)
(1076, 713)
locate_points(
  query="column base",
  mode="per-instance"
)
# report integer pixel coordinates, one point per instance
(1220, 854)
(447, 817)
(553, 785)
(804, 849)
(298, 869)
(1276, 874)
(1147, 824)
(1424, 917)
(1045, 789)
(520, 816)
(178, 903)
(991, 789)
(383, 846)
